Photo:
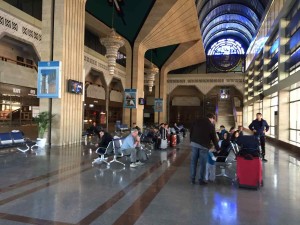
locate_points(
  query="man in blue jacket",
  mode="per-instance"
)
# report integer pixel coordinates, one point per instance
(259, 127)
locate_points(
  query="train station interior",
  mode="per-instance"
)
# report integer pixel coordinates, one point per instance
(91, 66)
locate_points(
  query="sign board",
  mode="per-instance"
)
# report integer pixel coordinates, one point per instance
(158, 105)
(130, 98)
(49, 79)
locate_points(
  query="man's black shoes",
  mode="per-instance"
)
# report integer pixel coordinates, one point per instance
(202, 182)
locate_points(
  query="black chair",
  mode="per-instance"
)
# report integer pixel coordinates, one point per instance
(102, 152)
(225, 162)
(117, 143)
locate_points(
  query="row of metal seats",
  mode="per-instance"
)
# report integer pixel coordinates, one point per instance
(11, 139)
(15, 138)
(114, 147)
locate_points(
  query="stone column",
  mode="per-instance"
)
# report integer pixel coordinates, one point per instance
(126, 112)
(282, 56)
(162, 116)
(282, 122)
(245, 117)
(137, 82)
(266, 112)
(266, 73)
(68, 47)
(157, 95)
(107, 99)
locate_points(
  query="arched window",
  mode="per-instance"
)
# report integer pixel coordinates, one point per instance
(226, 47)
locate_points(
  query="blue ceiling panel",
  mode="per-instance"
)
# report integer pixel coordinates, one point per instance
(230, 9)
(230, 18)
(228, 34)
(227, 26)
(237, 19)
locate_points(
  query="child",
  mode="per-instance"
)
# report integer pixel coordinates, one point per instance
(210, 166)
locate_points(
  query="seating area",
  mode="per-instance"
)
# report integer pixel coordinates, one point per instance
(114, 149)
(121, 127)
(11, 139)
(15, 138)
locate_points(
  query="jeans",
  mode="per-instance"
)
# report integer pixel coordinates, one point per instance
(210, 172)
(201, 155)
(262, 140)
(133, 152)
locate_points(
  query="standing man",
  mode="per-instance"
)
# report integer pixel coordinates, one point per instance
(201, 135)
(259, 127)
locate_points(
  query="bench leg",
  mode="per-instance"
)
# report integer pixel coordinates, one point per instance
(223, 174)
(100, 160)
(117, 161)
(24, 150)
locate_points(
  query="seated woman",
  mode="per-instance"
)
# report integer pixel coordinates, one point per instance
(105, 138)
(235, 136)
(224, 145)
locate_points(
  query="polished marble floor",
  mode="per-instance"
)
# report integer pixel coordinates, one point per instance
(59, 186)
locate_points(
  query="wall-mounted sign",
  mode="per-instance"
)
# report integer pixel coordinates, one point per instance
(158, 105)
(49, 79)
(130, 98)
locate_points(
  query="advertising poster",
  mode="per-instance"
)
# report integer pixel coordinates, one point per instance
(130, 98)
(158, 105)
(48, 79)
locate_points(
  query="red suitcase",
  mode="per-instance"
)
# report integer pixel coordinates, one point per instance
(173, 141)
(249, 172)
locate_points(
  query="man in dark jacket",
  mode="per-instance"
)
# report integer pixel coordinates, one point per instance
(259, 128)
(201, 135)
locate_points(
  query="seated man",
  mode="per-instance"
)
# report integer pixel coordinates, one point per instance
(221, 132)
(93, 129)
(130, 146)
(134, 126)
(180, 129)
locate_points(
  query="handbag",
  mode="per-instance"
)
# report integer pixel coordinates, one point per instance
(164, 143)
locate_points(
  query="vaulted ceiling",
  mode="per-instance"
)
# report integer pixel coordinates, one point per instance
(238, 19)
(128, 22)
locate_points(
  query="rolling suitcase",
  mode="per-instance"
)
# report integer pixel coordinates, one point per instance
(173, 141)
(249, 172)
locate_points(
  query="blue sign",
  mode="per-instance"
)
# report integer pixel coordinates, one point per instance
(130, 98)
(49, 79)
(158, 105)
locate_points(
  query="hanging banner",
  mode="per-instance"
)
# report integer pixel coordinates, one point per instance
(130, 99)
(158, 105)
(48, 79)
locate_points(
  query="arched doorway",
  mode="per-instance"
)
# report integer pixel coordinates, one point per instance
(185, 99)
(227, 105)
(149, 105)
(94, 103)
(115, 112)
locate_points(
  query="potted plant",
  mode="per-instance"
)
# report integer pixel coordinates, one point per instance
(42, 120)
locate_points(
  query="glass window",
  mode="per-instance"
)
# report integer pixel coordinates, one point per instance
(273, 111)
(226, 47)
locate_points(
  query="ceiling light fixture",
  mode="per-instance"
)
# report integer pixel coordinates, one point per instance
(150, 75)
(112, 44)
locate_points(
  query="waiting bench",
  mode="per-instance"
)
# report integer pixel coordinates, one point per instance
(113, 146)
(122, 127)
(14, 139)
